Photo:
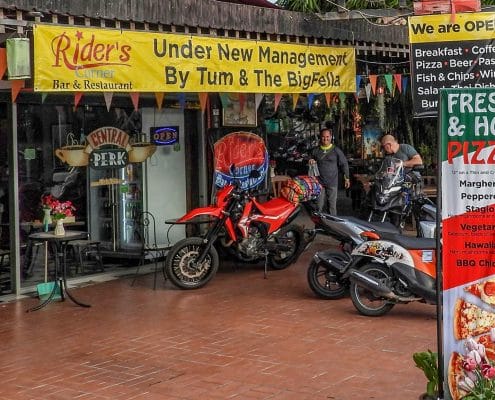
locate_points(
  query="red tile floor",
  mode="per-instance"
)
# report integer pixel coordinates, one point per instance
(240, 337)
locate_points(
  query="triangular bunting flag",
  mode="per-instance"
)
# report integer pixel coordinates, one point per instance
(135, 100)
(182, 100)
(108, 99)
(278, 97)
(17, 85)
(367, 89)
(328, 98)
(342, 97)
(257, 99)
(356, 97)
(398, 81)
(3, 61)
(388, 81)
(43, 97)
(77, 98)
(242, 102)
(159, 96)
(405, 81)
(358, 83)
(373, 79)
(311, 97)
(203, 100)
(224, 98)
(295, 98)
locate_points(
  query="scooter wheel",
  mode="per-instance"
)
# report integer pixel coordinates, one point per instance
(365, 301)
(181, 266)
(324, 282)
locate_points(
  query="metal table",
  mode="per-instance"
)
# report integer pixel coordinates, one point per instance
(59, 244)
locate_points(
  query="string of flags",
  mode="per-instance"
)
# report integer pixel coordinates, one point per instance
(369, 84)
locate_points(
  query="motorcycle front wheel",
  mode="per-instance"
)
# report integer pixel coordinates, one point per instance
(364, 300)
(324, 282)
(289, 241)
(181, 266)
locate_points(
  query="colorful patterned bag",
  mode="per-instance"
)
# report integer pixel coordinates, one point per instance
(301, 188)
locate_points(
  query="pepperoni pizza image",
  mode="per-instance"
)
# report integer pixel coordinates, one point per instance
(485, 290)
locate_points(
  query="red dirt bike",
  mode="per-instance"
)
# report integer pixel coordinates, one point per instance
(241, 226)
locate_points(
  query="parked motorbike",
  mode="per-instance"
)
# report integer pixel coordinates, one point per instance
(396, 195)
(327, 268)
(248, 228)
(392, 271)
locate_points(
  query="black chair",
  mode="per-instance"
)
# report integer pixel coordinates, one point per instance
(145, 233)
(87, 254)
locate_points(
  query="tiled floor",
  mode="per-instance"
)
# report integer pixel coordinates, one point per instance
(240, 337)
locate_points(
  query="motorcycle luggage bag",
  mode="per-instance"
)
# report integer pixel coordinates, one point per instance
(301, 188)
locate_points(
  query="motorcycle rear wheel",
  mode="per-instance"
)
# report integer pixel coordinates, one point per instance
(364, 300)
(180, 265)
(291, 236)
(324, 282)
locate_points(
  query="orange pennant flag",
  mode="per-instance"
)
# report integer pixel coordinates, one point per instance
(3, 61)
(159, 99)
(242, 102)
(17, 85)
(328, 98)
(278, 97)
(135, 99)
(77, 99)
(398, 81)
(373, 79)
(295, 97)
(203, 100)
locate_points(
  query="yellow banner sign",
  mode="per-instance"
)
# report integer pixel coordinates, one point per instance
(441, 28)
(78, 59)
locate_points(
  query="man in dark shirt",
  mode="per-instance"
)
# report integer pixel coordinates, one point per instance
(403, 151)
(330, 160)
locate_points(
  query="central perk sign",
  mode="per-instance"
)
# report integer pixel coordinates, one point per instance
(80, 59)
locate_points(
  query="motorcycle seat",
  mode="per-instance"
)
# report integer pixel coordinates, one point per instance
(414, 243)
(384, 227)
(273, 206)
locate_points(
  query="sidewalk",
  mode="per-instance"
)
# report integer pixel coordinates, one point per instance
(240, 337)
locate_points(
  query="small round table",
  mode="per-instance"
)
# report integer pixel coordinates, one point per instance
(59, 244)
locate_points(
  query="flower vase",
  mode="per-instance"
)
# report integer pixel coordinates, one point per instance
(59, 228)
(47, 218)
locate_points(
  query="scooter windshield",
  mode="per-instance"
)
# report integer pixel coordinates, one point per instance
(391, 172)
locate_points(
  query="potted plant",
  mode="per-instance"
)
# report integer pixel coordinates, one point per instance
(427, 361)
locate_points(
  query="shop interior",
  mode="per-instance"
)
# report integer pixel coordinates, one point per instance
(289, 131)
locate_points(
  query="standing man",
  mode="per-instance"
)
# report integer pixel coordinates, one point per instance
(330, 160)
(403, 151)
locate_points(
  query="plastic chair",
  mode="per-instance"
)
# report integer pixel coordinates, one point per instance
(146, 235)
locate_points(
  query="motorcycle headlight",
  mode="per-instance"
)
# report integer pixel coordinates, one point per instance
(381, 199)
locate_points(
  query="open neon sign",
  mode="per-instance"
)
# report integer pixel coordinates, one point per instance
(164, 135)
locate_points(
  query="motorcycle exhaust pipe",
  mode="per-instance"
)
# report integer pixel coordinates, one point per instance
(377, 288)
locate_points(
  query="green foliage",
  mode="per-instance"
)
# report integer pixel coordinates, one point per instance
(427, 361)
